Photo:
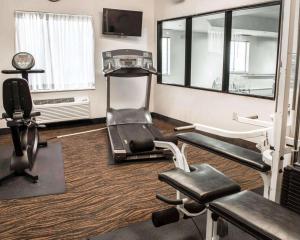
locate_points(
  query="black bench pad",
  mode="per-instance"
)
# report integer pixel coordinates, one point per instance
(203, 186)
(258, 216)
(236, 153)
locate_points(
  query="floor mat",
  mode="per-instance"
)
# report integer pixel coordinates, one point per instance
(184, 230)
(49, 166)
(191, 229)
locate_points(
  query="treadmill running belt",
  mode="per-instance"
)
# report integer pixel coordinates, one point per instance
(137, 132)
(115, 138)
(155, 132)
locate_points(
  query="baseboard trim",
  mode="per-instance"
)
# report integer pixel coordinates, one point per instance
(66, 124)
(4, 131)
(75, 123)
(84, 122)
(240, 142)
(173, 121)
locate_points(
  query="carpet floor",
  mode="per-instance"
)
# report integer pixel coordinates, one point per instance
(100, 198)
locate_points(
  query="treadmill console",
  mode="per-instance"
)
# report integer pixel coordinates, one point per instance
(118, 62)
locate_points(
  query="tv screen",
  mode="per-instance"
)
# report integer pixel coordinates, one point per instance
(122, 22)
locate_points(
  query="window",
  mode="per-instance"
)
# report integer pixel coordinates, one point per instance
(239, 57)
(166, 56)
(63, 45)
(232, 51)
(207, 51)
(173, 55)
(254, 51)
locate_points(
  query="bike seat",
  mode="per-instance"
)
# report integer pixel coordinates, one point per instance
(16, 97)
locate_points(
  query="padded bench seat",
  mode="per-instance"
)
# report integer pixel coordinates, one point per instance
(203, 185)
(238, 154)
(258, 216)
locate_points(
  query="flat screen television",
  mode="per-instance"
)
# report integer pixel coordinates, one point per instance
(122, 22)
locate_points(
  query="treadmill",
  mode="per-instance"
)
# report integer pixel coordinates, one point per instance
(131, 131)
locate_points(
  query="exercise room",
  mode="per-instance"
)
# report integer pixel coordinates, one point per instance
(149, 120)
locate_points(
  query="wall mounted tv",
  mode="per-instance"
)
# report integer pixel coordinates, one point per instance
(122, 22)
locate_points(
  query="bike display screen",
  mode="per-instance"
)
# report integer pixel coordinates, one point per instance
(23, 61)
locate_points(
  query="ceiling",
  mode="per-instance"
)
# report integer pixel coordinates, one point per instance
(263, 12)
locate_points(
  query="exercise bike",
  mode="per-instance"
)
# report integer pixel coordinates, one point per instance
(20, 118)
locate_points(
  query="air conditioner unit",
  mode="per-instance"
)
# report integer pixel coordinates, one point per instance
(62, 109)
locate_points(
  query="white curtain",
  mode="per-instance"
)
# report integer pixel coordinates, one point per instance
(63, 45)
(215, 40)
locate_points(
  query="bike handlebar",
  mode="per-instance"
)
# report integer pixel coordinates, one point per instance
(22, 71)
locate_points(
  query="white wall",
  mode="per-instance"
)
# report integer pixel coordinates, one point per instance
(184, 104)
(124, 89)
(203, 106)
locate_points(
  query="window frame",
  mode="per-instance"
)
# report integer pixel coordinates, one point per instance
(159, 51)
(191, 36)
(226, 54)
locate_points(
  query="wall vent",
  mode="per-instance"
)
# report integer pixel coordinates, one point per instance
(53, 101)
(62, 109)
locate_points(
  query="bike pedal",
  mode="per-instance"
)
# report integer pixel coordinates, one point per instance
(35, 179)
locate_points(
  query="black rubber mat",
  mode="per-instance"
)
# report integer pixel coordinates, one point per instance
(183, 230)
(49, 167)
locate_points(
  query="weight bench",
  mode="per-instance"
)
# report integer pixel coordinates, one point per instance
(202, 185)
(254, 214)
(233, 152)
(260, 217)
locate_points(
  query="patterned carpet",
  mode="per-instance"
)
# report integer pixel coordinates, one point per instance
(100, 197)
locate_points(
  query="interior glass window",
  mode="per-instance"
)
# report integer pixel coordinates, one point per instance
(253, 53)
(207, 51)
(173, 52)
